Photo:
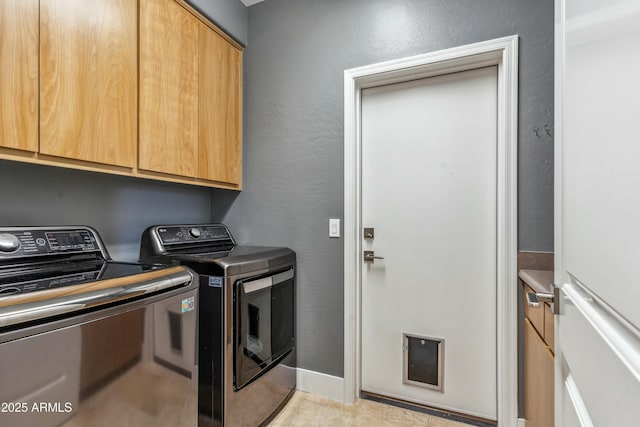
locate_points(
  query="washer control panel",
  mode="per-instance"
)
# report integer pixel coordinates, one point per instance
(48, 283)
(170, 235)
(24, 242)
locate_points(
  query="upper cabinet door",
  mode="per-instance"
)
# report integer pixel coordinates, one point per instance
(168, 88)
(19, 76)
(220, 127)
(88, 76)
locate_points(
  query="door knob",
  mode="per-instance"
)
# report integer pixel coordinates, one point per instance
(369, 256)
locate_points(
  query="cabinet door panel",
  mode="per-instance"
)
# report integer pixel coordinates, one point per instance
(168, 88)
(19, 76)
(538, 379)
(220, 127)
(549, 333)
(535, 314)
(88, 70)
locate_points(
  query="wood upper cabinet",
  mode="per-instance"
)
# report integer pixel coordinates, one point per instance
(190, 96)
(88, 80)
(220, 109)
(146, 88)
(19, 29)
(168, 88)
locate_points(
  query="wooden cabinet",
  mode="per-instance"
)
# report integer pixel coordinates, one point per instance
(19, 33)
(144, 88)
(538, 377)
(220, 109)
(88, 67)
(534, 314)
(168, 88)
(190, 96)
(538, 363)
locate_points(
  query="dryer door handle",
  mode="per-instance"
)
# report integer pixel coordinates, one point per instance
(267, 282)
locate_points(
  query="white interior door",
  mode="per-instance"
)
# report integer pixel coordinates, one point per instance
(429, 174)
(598, 211)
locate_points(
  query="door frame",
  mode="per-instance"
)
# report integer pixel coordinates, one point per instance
(503, 53)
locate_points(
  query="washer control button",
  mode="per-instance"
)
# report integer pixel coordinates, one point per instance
(194, 232)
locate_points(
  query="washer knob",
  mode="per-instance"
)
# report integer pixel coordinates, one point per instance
(194, 232)
(9, 243)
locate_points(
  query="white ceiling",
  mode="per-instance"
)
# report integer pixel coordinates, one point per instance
(250, 2)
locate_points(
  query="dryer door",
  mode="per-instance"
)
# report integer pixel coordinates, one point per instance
(264, 323)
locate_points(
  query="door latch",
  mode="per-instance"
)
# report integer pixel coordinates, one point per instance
(369, 256)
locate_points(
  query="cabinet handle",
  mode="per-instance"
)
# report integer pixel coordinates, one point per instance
(534, 298)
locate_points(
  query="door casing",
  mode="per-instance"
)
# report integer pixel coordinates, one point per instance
(502, 52)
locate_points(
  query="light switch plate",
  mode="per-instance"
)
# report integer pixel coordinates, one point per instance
(334, 227)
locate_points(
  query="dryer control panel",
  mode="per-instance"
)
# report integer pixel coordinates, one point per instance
(208, 233)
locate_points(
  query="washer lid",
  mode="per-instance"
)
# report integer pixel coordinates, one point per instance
(115, 283)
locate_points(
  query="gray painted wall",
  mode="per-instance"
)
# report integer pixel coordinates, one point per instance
(293, 128)
(229, 15)
(120, 208)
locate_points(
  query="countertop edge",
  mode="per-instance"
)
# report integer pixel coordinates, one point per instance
(538, 280)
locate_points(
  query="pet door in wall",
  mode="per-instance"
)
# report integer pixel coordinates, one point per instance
(423, 361)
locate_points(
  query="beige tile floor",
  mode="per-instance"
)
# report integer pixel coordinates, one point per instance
(308, 410)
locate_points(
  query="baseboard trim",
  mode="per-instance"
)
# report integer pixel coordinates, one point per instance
(332, 387)
(430, 410)
(320, 384)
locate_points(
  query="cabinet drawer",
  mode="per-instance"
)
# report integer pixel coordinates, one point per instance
(535, 314)
(548, 327)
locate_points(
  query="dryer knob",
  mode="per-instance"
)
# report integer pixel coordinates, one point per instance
(194, 232)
